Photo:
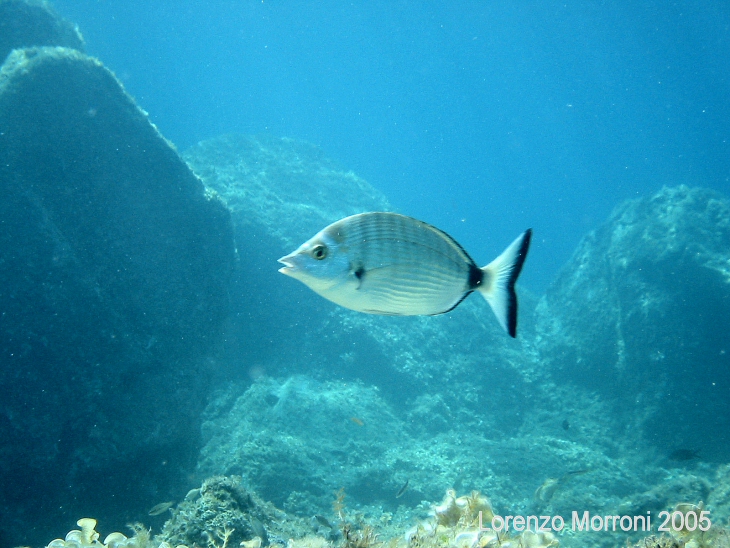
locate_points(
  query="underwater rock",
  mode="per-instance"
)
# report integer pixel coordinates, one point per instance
(25, 23)
(223, 513)
(288, 187)
(640, 315)
(113, 284)
(666, 494)
(297, 441)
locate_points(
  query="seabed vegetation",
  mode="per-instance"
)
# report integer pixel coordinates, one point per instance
(223, 514)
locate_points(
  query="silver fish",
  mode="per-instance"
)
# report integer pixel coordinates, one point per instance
(386, 263)
(158, 509)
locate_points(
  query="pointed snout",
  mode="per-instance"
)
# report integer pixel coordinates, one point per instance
(289, 267)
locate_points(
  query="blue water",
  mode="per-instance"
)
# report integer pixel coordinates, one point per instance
(482, 118)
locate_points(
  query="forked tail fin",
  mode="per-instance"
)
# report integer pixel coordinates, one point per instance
(498, 282)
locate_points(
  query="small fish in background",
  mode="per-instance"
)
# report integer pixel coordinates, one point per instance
(158, 509)
(390, 264)
(357, 421)
(546, 491)
(566, 425)
(319, 520)
(402, 490)
(684, 455)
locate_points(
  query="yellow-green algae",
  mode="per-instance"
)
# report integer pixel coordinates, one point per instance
(457, 522)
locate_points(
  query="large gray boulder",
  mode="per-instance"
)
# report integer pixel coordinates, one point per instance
(114, 278)
(641, 316)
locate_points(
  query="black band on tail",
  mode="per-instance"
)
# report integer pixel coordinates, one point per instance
(514, 274)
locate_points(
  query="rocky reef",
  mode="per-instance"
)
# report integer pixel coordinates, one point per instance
(222, 514)
(272, 444)
(114, 280)
(222, 511)
(640, 315)
(282, 187)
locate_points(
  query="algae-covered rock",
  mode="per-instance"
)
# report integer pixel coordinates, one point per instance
(289, 187)
(28, 23)
(641, 315)
(113, 283)
(222, 512)
(300, 440)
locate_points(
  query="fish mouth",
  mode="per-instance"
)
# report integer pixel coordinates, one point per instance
(289, 267)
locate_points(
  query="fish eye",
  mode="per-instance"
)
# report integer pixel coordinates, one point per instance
(319, 252)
